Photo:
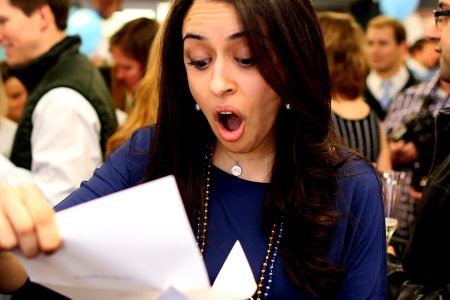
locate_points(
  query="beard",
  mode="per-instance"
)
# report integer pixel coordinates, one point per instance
(444, 69)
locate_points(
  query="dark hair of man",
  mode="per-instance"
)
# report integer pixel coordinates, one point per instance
(135, 39)
(385, 21)
(344, 44)
(287, 46)
(60, 9)
(419, 45)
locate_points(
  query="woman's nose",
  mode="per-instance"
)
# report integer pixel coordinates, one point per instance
(222, 80)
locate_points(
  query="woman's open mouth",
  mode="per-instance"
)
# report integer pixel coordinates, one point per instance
(231, 126)
(229, 120)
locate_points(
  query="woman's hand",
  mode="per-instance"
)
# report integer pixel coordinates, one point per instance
(27, 221)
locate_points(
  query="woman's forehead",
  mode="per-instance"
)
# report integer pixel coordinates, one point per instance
(207, 14)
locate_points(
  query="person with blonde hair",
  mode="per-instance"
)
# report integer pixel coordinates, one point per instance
(356, 123)
(145, 106)
(129, 48)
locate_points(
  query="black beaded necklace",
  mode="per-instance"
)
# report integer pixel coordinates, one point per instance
(272, 247)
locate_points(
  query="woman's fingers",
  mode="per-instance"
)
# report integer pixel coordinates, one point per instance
(27, 221)
(43, 217)
(15, 219)
(8, 239)
(28, 244)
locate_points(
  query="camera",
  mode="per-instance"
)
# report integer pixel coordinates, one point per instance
(419, 128)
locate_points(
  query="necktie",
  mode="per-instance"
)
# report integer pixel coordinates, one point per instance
(386, 95)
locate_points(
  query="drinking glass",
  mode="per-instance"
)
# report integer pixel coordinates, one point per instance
(393, 185)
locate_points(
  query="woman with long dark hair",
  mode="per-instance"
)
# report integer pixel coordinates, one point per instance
(244, 125)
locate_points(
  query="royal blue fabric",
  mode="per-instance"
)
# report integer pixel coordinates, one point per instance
(235, 214)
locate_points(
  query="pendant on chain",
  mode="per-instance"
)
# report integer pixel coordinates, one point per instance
(236, 170)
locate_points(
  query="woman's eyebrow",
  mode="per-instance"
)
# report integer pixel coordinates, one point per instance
(237, 35)
(199, 37)
(193, 36)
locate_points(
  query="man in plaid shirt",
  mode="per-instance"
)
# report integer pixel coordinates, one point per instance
(411, 100)
(405, 153)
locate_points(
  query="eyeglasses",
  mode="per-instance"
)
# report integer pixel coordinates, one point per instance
(441, 17)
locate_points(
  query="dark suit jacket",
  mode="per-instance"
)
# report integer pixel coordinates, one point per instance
(375, 104)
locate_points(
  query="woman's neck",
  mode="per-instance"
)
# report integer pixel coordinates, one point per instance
(249, 166)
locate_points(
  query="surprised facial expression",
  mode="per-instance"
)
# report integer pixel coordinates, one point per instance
(239, 104)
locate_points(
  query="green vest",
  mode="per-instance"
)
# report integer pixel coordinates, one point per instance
(61, 66)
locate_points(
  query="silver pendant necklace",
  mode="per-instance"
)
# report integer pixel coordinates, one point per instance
(236, 170)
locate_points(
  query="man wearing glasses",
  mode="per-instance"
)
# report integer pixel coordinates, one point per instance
(441, 33)
(427, 259)
(412, 134)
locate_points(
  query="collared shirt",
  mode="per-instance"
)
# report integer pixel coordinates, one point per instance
(408, 102)
(7, 132)
(65, 143)
(411, 100)
(420, 71)
(12, 175)
(375, 82)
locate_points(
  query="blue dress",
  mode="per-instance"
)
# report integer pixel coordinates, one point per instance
(235, 214)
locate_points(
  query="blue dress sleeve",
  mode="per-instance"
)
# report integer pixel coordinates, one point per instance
(360, 241)
(122, 169)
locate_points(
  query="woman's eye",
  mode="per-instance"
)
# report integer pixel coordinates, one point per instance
(199, 64)
(247, 61)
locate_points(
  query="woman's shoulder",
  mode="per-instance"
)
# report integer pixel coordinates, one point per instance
(136, 152)
(140, 140)
(122, 169)
(358, 179)
(355, 168)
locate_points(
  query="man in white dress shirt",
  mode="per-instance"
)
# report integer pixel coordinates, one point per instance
(69, 114)
(387, 51)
